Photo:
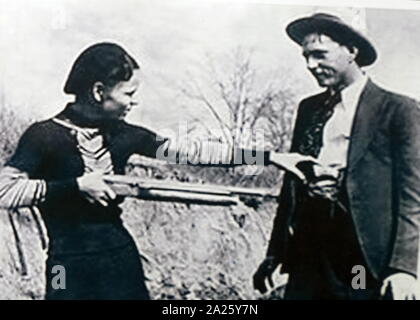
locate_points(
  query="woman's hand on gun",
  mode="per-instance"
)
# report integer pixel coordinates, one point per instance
(94, 188)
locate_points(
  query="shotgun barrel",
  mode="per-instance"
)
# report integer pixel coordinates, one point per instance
(160, 190)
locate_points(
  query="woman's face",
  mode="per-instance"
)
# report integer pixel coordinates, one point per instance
(119, 99)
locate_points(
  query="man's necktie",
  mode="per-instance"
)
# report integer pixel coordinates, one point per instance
(312, 136)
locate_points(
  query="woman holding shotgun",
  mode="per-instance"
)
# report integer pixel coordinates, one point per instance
(59, 166)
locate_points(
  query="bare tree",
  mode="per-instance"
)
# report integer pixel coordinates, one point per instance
(255, 101)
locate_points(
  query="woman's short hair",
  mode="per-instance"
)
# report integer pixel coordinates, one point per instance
(106, 62)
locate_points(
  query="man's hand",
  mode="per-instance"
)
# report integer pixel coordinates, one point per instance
(289, 162)
(265, 272)
(325, 184)
(402, 286)
(326, 188)
(93, 187)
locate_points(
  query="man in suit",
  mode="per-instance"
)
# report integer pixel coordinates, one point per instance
(351, 231)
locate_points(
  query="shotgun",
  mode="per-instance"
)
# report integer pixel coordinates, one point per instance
(163, 190)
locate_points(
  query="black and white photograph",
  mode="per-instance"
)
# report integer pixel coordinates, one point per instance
(209, 150)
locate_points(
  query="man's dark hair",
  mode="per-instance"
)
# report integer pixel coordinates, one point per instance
(341, 39)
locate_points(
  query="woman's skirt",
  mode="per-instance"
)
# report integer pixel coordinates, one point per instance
(114, 274)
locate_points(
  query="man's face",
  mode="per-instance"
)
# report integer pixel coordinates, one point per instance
(119, 99)
(327, 60)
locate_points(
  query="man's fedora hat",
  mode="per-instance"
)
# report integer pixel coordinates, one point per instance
(338, 30)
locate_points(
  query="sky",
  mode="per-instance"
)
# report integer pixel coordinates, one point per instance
(40, 39)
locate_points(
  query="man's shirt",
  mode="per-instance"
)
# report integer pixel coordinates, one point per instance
(337, 131)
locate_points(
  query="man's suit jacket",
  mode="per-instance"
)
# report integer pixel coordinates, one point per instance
(383, 181)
